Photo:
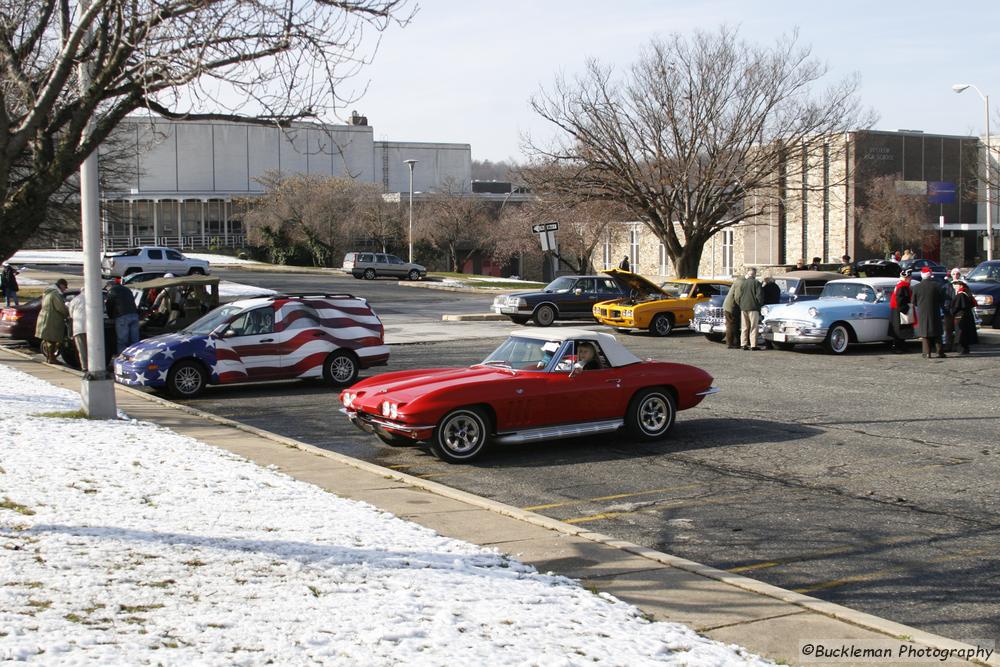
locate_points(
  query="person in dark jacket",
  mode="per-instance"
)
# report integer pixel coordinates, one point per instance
(731, 312)
(962, 306)
(50, 328)
(8, 285)
(120, 304)
(900, 303)
(846, 267)
(771, 291)
(928, 297)
(624, 265)
(949, 319)
(814, 265)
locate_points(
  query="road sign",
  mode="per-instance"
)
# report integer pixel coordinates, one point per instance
(545, 227)
(548, 240)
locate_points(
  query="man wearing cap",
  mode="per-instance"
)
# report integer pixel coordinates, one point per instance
(50, 327)
(928, 297)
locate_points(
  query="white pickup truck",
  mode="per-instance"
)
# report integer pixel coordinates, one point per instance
(152, 258)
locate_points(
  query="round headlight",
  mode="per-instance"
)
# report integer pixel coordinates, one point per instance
(385, 408)
(393, 410)
(345, 398)
(813, 312)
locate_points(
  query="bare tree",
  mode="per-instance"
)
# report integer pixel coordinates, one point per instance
(692, 128)
(276, 60)
(458, 224)
(310, 211)
(583, 226)
(375, 219)
(891, 217)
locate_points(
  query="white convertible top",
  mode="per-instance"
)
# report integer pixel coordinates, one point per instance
(615, 352)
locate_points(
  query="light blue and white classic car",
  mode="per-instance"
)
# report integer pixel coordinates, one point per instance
(853, 310)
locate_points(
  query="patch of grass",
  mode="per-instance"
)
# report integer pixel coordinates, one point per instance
(25, 584)
(138, 609)
(194, 562)
(75, 618)
(160, 584)
(63, 414)
(8, 504)
(92, 608)
(40, 604)
(315, 591)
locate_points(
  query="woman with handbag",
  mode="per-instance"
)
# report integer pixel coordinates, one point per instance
(902, 314)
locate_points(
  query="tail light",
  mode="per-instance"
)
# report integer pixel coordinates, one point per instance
(11, 315)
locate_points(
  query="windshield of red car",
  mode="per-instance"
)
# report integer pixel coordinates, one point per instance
(523, 353)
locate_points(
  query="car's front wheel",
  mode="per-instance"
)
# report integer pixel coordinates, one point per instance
(340, 369)
(662, 325)
(196, 271)
(413, 275)
(651, 414)
(369, 274)
(461, 435)
(837, 339)
(545, 316)
(186, 379)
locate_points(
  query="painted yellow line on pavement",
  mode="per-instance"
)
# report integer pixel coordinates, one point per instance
(616, 496)
(823, 553)
(868, 576)
(692, 502)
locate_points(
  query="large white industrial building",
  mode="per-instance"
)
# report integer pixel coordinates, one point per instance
(189, 176)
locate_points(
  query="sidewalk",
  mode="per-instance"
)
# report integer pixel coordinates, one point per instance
(764, 619)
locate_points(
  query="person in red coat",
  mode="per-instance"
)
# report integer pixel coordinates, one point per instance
(901, 303)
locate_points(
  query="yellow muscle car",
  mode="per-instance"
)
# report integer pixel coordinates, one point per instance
(657, 308)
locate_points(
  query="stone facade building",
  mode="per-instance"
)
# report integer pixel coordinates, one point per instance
(815, 214)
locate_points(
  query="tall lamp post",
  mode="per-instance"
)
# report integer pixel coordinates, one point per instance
(410, 163)
(958, 88)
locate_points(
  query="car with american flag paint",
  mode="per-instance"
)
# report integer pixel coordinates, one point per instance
(279, 337)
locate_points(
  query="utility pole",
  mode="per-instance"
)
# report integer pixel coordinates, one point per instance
(97, 388)
(410, 163)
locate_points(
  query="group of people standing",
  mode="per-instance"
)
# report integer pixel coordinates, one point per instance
(55, 315)
(942, 316)
(748, 295)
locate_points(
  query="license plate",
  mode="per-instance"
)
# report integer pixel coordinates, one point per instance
(497, 310)
(119, 369)
(705, 327)
(778, 336)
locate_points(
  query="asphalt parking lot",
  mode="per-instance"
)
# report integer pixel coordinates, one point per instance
(867, 479)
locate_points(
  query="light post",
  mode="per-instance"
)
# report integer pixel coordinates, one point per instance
(410, 163)
(958, 88)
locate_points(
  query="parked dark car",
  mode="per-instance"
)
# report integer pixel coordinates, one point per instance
(18, 322)
(795, 286)
(984, 281)
(877, 268)
(938, 272)
(565, 298)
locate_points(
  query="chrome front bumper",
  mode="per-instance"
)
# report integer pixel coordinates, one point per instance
(371, 424)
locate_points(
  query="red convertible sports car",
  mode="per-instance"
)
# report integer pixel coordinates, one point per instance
(538, 385)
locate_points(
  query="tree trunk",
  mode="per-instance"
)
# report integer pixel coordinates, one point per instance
(689, 260)
(19, 221)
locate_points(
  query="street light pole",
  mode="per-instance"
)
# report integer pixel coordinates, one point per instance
(97, 389)
(958, 88)
(410, 163)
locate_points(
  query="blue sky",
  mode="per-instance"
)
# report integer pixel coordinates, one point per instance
(464, 71)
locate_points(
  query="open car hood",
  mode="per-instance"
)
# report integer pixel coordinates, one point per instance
(634, 283)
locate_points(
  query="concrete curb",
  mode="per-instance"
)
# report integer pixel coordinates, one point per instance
(476, 317)
(829, 609)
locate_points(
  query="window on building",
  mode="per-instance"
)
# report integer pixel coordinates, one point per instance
(633, 254)
(727, 252)
(664, 260)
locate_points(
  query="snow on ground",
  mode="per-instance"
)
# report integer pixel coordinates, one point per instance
(24, 281)
(473, 280)
(76, 257)
(125, 543)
